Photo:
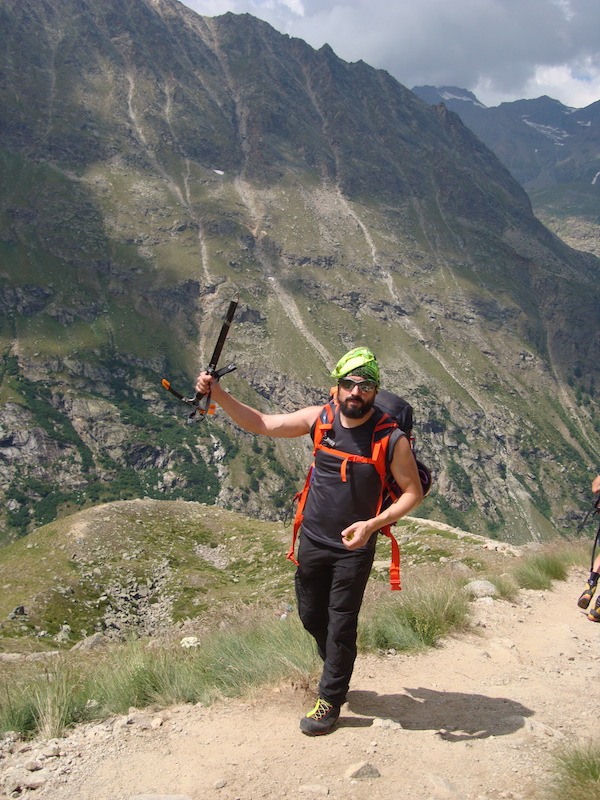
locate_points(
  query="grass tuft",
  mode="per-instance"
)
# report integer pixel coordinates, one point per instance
(576, 773)
(227, 663)
(416, 620)
(506, 585)
(539, 570)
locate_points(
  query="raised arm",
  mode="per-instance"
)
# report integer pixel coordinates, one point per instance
(283, 426)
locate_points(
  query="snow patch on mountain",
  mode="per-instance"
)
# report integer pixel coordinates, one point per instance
(447, 94)
(557, 136)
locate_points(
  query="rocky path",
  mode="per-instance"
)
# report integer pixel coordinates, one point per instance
(476, 719)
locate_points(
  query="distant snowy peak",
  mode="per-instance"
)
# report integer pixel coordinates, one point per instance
(444, 94)
(452, 93)
(540, 140)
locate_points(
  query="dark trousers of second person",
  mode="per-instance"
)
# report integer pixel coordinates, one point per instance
(330, 584)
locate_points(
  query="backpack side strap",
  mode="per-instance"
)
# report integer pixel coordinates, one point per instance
(395, 584)
(299, 498)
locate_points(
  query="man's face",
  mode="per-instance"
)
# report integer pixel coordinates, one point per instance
(356, 396)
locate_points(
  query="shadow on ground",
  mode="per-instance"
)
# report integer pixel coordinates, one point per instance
(456, 716)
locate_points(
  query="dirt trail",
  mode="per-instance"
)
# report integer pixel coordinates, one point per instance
(476, 719)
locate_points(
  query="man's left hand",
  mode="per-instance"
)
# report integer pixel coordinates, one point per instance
(356, 535)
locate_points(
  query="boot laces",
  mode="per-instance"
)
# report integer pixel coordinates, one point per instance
(321, 709)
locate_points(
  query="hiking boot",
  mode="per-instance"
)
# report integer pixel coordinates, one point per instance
(320, 719)
(586, 596)
(594, 614)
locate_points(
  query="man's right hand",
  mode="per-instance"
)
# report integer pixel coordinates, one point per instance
(205, 383)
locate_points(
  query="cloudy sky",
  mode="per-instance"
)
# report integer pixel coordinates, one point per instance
(499, 49)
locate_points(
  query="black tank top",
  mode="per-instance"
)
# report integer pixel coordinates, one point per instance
(333, 504)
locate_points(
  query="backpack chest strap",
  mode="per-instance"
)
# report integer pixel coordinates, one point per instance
(345, 458)
(377, 459)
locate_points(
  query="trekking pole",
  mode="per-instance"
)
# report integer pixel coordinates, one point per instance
(201, 402)
(595, 509)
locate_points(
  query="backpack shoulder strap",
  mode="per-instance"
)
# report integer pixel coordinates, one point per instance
(321, 425)
(385, 436)
(324, 422)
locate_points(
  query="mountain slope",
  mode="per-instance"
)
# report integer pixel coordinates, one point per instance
(550, 148)
(136, 568)
(157, 164)
(145, 568)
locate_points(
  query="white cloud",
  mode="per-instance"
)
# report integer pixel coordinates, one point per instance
(295, 6)
(500, 49)
(567, 84)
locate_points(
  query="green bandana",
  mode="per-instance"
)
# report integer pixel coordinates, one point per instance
(359, 361)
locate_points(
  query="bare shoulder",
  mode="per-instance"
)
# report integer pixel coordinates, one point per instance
(402, 453)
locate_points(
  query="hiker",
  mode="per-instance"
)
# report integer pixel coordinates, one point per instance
(586, 596)
(340, 519)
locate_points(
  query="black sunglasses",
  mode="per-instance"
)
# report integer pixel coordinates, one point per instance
(363, 386)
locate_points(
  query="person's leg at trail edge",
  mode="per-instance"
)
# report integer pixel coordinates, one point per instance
(585, 598)
(594, 613)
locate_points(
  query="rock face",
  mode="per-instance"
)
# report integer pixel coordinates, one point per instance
(156, 164)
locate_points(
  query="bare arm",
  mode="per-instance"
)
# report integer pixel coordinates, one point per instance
(404, 470)
(296, 423)
(596, 484)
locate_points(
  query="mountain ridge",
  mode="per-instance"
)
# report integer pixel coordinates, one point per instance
(142, 568)
(549, 147)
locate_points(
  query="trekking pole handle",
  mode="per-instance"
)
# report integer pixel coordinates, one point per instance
(201, 401)
(217, 374)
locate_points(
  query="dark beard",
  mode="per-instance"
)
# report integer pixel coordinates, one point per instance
(358, 410)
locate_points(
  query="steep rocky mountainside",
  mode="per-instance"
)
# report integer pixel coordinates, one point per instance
(551, 149)
(156, 164)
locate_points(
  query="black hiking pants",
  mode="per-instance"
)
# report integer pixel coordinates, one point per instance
(330, 584)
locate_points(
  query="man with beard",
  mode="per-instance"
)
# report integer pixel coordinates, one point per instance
(341, 516)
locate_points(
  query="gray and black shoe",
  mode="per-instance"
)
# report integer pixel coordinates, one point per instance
(320, 719)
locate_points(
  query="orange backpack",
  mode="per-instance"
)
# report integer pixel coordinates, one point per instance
(381, 439)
